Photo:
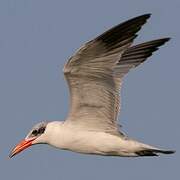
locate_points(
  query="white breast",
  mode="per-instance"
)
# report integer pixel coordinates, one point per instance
(65, 137)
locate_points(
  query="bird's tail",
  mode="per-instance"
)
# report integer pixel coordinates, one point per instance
(153, 152)
(141, 149)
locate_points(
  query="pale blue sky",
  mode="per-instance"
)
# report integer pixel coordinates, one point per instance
(36, 39)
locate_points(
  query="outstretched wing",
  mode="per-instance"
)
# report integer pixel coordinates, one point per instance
(134, 56)
(92, 79)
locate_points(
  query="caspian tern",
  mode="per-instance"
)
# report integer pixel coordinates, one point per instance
(94, 76)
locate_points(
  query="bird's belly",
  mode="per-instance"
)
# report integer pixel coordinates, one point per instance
(91, 143)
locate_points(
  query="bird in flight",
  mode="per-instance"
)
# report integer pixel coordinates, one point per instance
(94, 76)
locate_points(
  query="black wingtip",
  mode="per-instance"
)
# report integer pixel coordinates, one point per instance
(143, 16)
(161, 41)
(168, 152)
(154, 152)
(168, 38)
(147, 15)
(165, 39)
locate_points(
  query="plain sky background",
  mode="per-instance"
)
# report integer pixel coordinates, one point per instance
(36, 39)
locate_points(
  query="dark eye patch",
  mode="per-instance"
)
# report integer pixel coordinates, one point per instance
(34, 132)
(41, 130)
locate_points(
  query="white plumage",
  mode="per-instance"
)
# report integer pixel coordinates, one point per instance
(94, 76)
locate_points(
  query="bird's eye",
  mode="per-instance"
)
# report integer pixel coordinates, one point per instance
(35, 132)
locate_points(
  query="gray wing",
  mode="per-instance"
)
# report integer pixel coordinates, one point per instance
(134, 56)
(94, 75)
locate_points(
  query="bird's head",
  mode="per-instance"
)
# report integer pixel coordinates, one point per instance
(35, 136)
